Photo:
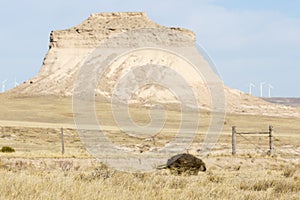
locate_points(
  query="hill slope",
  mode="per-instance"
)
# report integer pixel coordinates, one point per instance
(69, 49)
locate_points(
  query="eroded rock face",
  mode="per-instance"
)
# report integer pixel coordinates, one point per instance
(99, 27)
(69, 49)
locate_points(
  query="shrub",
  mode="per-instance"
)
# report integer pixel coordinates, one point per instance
(289, 172)
(100, 172)
(287, 186)
(263, 185)
(7, 149)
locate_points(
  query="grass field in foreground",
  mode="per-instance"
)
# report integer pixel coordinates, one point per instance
(37, 170)
(71, 179)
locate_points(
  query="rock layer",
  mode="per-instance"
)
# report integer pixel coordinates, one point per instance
(69, 49)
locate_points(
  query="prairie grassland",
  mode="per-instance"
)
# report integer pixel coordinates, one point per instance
(65, 179)
(37, 170)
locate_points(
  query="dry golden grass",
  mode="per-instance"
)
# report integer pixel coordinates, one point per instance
(37, 170)
(65, 180)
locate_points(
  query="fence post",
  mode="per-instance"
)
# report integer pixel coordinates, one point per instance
(233, 140)
(271, 139)
(62, 141)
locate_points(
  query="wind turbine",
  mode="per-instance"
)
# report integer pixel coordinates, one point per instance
(270, 87)
(261, 88)
(3, 85)
(250, 88)
(16, 83)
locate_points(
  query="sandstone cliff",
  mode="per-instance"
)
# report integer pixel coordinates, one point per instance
(69, 49)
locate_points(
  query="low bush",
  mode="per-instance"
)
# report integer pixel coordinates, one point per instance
(7, 149)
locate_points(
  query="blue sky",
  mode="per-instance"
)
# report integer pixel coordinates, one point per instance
(250, 41)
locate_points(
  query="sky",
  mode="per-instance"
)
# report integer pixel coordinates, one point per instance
(250, 41)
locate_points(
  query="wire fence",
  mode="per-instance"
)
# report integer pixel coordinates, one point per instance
(257, 146)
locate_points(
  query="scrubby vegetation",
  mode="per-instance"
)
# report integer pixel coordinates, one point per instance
(53, 180)
(7, 149)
